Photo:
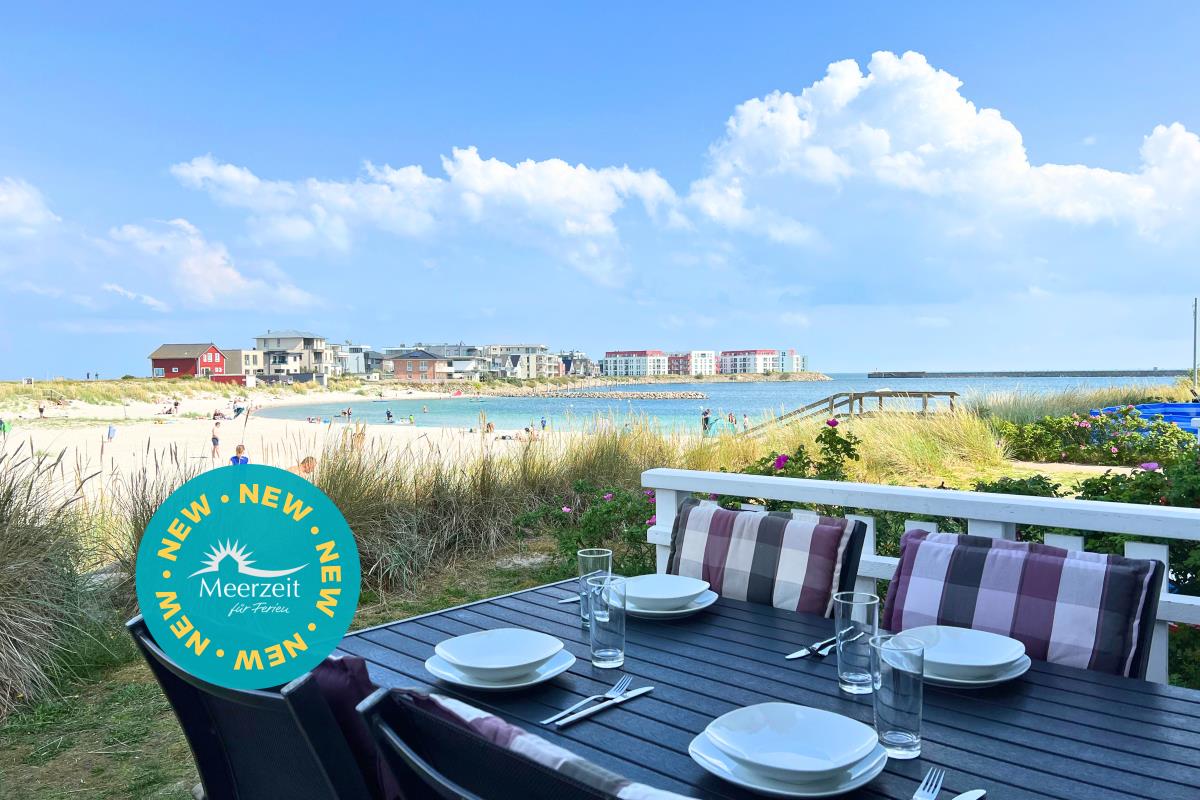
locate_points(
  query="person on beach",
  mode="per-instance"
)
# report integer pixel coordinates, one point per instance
(41, 409)
(216, 441)
(305, 468)
(176, 406)
(543, 422)
(745, 422)
(705, 421)
(412, 420)
(424, 409)
(239, 455)
(112, 431)
(732, 420)
(388, 415)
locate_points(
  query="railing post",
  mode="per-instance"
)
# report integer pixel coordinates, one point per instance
(1156, 667)
(992, 529)
(666, 508)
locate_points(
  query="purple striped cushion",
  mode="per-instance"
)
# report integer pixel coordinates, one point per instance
(530, 746)
(1074, 608)
(786, 560)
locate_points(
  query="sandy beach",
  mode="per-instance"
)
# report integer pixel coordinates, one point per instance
(80, 431)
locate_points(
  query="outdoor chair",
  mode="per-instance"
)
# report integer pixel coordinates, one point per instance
(258, 745)
(1080, 609)
(441, 747)
(795, 560)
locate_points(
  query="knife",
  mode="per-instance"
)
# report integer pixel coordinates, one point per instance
(574, 599)
(587, 712)
(815, 646)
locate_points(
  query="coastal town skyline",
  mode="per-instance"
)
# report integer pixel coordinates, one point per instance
(770, 181)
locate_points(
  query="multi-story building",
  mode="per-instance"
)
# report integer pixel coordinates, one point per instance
(291, 352)
(694, 362)
(635, 363)
(244, 362)
(418, 366)
(351, 358)
(761, 362)
(576, 362)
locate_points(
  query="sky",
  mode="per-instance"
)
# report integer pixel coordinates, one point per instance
(1000, 186)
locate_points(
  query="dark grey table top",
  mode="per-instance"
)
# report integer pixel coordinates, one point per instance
(1056, 732)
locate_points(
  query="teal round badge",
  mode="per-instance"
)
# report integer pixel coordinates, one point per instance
(248, 576)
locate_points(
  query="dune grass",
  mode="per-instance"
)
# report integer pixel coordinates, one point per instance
(21, 396)
(1023, 407)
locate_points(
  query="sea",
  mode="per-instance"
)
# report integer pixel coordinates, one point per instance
(757, 399)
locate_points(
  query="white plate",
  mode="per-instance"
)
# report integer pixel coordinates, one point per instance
(792, 743)
(439, 667)
(498, 655)
(1015, 671)
(709, 756)
(965, 654)
(659, 592)
(702, 602)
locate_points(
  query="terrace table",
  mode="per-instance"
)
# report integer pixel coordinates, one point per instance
(1058, 732)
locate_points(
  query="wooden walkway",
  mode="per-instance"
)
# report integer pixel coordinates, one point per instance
(854, 404)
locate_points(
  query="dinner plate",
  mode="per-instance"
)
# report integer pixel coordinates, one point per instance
(662, 592)
(500, 654)
(966, 654)
(1015, 671)
(440, 668)
(702, 602)
(790, 742)
(706, 753)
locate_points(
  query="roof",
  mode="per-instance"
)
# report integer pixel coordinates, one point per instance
(418, 354)
(182, 350)
(289, 334)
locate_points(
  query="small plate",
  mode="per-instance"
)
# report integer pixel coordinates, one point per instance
(500, 654)
(699, 604)
(661, 592)
(966, 654)
(1015, 671)
(440, 668)
(792, 743)
(705, 753)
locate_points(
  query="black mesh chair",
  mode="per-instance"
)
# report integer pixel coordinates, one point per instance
(435, 757)
(257, 745)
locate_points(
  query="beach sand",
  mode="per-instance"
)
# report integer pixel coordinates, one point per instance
(80, 432)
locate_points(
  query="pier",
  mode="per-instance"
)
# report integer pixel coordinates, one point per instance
(1071, 373)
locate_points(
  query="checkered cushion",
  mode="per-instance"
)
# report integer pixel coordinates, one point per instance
(568, 769)
(792, 560)
(1074, 608)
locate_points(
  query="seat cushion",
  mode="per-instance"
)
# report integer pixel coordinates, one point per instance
(790, 560)
(1074, 608)
(344, 683)
(574, 775)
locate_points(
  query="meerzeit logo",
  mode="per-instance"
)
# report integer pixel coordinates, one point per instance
(248, 576)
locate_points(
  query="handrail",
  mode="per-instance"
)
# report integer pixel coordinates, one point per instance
(987, 514)
(830, 405)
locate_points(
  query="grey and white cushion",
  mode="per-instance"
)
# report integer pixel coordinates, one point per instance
(1074, 608)
(790, 560)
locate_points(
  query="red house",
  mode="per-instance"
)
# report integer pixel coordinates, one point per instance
(181, 360)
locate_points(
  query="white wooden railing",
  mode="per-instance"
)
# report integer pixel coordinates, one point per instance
(994, 515)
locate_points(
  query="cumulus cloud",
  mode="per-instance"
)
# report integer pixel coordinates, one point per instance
(905, 125)
(23, 209)
(203, 272)
(572, 207)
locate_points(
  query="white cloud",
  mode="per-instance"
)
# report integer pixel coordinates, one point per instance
(794, 319)
(203, 272)
(568, 209)
(905, 125)
(23, 210)
(144, 299)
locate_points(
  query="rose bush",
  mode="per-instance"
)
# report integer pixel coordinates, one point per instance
(1118, 438)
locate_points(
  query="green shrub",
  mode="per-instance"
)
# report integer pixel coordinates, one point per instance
(1119, 438)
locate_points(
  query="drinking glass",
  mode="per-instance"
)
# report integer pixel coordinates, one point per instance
(607, 596)
(592, 561)
(897, 669)
(856, 620)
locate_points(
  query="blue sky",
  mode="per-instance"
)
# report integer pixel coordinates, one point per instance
(1016, 186)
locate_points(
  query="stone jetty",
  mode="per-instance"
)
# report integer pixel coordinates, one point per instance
(599, 395)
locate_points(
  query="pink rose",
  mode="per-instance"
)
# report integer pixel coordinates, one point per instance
(566, 509)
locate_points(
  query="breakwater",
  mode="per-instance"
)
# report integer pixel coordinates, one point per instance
(597, 395)
(1077, 373)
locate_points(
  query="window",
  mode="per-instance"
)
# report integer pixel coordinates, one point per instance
(159, 372)
(174, 369)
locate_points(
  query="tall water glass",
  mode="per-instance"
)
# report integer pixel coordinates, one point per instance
(897, 670)
(607, 596)
(856, 620)
(592, 561)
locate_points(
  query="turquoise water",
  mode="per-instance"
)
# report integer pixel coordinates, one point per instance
(754, 398)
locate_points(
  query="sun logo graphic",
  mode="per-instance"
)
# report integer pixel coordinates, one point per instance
(221, 551)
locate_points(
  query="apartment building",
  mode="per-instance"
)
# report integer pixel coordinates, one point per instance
(693, 362)
(577, 362)
(292, 352)
(634, 363)
(761, 362)
(352, 358)
(244, 362)
(418, 366)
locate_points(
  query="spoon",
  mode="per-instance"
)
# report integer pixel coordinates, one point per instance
(974, 794)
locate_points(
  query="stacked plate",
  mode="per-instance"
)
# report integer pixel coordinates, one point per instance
(666, 596)
(504, 658)
(965, 658)
(786, 750)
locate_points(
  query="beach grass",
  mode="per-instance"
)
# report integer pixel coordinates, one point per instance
(1024, 407)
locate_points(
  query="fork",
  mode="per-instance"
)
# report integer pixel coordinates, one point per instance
(617, 690)
(822, 652)
(931, 786)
